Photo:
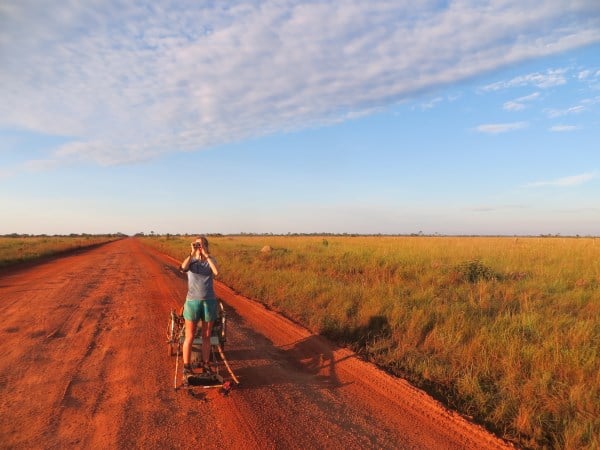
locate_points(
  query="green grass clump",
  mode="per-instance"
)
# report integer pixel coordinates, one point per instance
(506, 330)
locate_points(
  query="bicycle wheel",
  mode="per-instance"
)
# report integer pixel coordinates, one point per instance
(172, 335)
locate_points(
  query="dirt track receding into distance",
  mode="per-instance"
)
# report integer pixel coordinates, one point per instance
(84, 364)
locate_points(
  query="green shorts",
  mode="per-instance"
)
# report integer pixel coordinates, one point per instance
(205, 310)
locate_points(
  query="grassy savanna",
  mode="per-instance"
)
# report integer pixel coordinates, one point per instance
(505, 330)
(16, 249)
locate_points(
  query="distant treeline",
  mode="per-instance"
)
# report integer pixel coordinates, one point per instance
(549, 235)
(26, 235)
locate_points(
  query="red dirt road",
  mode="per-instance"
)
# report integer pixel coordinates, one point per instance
(84, 364)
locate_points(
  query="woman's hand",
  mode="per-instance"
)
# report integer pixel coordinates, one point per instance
(204, 252)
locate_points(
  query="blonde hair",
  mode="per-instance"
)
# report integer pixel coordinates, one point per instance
(203, 240)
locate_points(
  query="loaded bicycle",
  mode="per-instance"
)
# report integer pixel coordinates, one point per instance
(216, 378)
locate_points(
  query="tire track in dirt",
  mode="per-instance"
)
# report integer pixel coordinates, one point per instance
(31, 310)
(82, 332)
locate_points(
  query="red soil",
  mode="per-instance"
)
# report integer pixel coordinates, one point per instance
(84, 364)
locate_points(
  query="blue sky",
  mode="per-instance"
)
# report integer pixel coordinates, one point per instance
(450, 117)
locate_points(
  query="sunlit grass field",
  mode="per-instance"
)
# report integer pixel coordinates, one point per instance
(19, 249)
(505, 330)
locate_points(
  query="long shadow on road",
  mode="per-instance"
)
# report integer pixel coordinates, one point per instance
(258, 362)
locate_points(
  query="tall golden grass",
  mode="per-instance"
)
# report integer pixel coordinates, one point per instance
(505, 330)
(18, 249)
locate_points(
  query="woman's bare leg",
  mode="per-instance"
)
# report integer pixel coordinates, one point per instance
(190, 331)
(206, 331)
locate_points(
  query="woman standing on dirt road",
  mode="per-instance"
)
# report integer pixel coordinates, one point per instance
(201, 301)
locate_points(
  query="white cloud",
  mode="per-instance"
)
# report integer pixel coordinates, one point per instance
(589, 76)
(513, 106)
(497, 128)
(40, 165)
(130, 81)
(553, 113)
(591, 101)
(431, 103)
(553, 77)
(496, 208)
(520, 103)
(574, 180)
(564, 128)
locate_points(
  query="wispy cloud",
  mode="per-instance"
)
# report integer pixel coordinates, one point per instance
(574, 180)
(431, 103)
(434, 102)
(553, 113)
(131, 81)
(496, 208)
(590, 75)
(520, 103)
(590, 101)
(564, 128)
(553, 77)
(496, 128)
(40, 165)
